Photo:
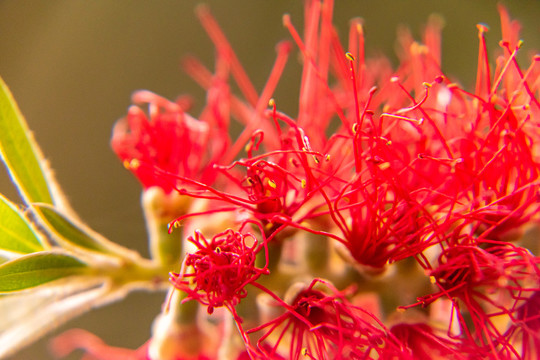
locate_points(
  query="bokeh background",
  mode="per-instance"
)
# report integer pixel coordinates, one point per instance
(73, 64)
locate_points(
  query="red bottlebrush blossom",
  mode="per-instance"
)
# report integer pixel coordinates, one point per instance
(318, 325)
(391, 165)
(525, 331)
(278, 184)
(420, 341)
(217, 273)
(489, 284)
(167, 141)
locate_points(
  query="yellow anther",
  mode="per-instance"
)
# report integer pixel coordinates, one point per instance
(384, 165)
(133, 164)
(426, 84)
(272, 184)
(355, 128)
(432, 279)
(126, 164)
(304, 351)
(482, 27)
(349, 56)
(327, 157)
(520, 44)
(359, 28)
(304, 183)
(271, 102)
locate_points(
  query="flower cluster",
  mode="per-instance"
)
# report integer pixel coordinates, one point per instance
(221, 269)
(412, 197)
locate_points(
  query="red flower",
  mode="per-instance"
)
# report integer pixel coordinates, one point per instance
(217, 273)
(318, 325)
(489, 284)
(167, 145)
(525, 331)
(389, 164)
(423, 342)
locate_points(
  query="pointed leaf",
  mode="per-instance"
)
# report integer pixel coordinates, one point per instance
(26, 316)
(16, 234)
(20, 152)
(36, 269)
(69, 232)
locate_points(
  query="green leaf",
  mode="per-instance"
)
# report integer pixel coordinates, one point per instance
(19, 151)
(36, 269)
(68, 233)
(16, 234)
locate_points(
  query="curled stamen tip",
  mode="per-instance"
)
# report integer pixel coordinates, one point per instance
(286, 19)
(482, 27)
(426, 84)
(349, 56)
(202, 8)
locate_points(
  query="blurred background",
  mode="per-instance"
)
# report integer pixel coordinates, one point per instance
(73, 64)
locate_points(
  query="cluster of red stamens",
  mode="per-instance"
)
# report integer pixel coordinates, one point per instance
(400, 172)
(217, 273)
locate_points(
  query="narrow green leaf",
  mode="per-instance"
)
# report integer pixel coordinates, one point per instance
(67, 232)
(16, 234)
(36, 269)
(20, 152)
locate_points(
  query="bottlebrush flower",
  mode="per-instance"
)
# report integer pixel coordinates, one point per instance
(322, 324)
(490, 285)
(397, 169)
(168, 141)
(217, 273)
